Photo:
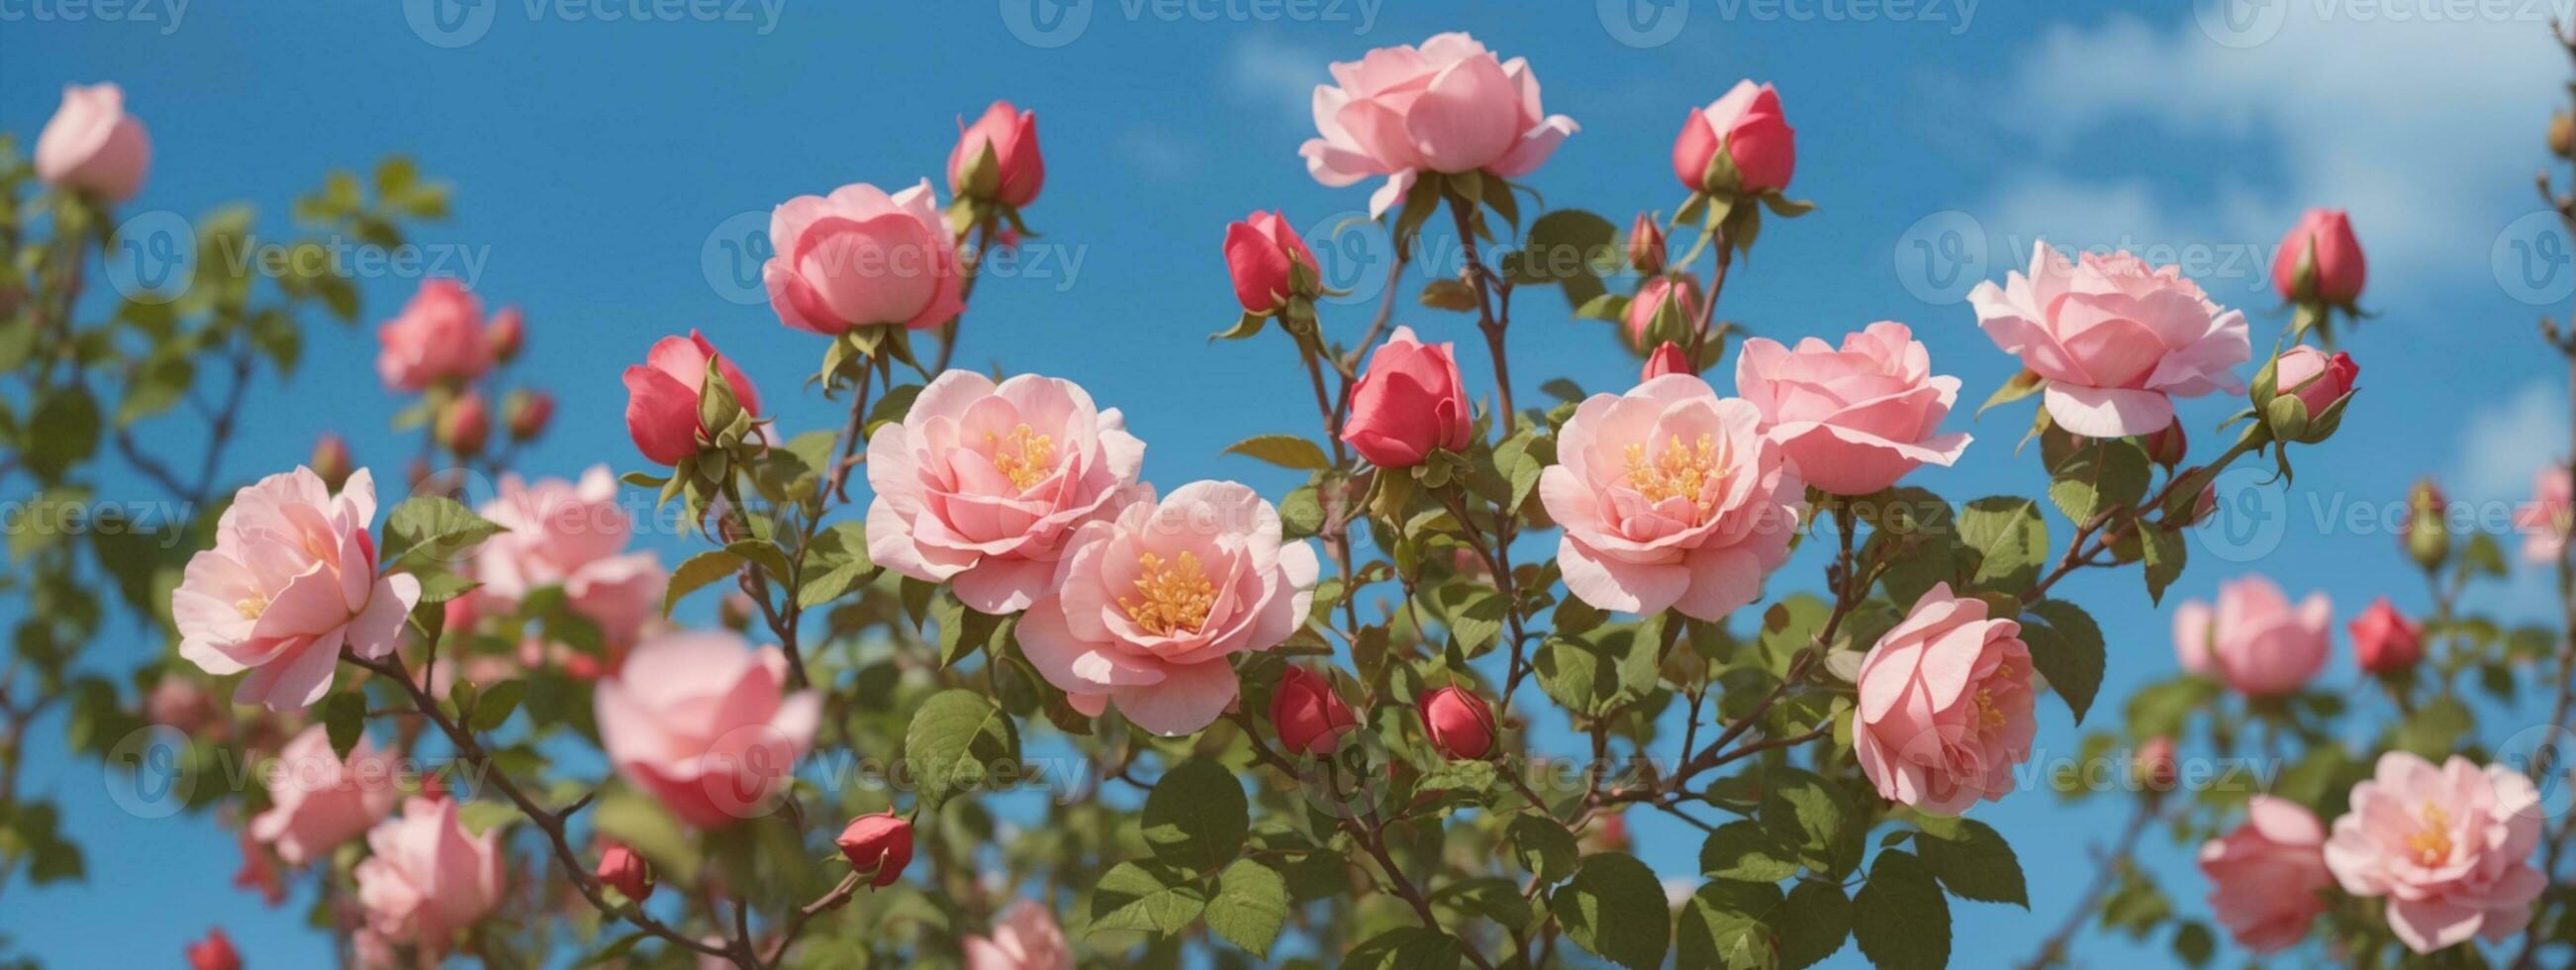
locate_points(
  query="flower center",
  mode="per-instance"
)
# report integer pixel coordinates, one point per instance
(1170, 600)
(1677, 470)
(250, 607)
(1023, 456)
(2432, 843)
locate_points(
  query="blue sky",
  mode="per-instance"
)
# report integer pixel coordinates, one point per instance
(602, 165)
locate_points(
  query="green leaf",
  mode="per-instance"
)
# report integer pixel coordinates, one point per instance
(1250, 906)
(1196, 816)
(696, 573)
(2194, 944)
(1900, 917)
(344, 716)
(2068, 650)
(1743, 851)
(1406, 948)
(427, 529)
(2165, 554)
(1283, 450)
(1614, 907)
(494, 707)
(67, 426)
(1601, 671)
(1725, 924)
(2010, 538)
(1491, 897)
(2100, 475)
(1973, 860)
(1808, 813)
(771, 559)
(836, 563)
(1813, 923)
(1132, 896)
(1543, 847)
(961, 630)
(956, 739)
(2020, 386)
(159, 382)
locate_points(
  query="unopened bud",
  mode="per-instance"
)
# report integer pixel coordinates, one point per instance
(528, 412)
(1668, 358)
(877, 844)
(620, 867)
(464, 426)
(507, 333)
(2428, 529)
(331, 460)
(1646, 244)
(2562, 135)
(2169, 446)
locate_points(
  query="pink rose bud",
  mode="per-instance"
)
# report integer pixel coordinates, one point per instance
(529, 412)
(438, 338)
(861, 258)
(1308, 714)
(2317, 379)
(1460, 725)
(1761, 149)
(2119, 379)
(92, 145)
(465, 425)
(619, 866)
(2254, 639)
(1448, 106)
(1025, 937)
(331, 460)
(2157, 771)
(1646, 245)
(2449, 846)
(215, 952)
(1945, 706)
(878, 845)
(2319, 261)
(2384, 640)
(1610, 836)
(1016, 170)
(1269, 262)
(1668, 358)
(180, 702)
(2268, 878)
(2168, 445)
(508, 332)
(1409, 402)
(662, 397)
(1855, 419)
(1649, 304)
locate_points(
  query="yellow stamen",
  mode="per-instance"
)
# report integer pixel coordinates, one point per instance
(1678, 470)
(1172, 600)
(1030, 456)
(1989, 718)
(251, 607)
(2432, 843)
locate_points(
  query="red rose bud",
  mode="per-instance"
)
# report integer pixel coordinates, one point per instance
(878, 844)
(2167, 446)
(465, 425)
(215, 952)
(662, 413)
(996, 158)
(619, 866)
(2319, 261)
(2385, 641)
(1646, 244)
(1460, 725)
(507, 332)
(1409, 402)
(1761, 150)
(1262, 254)
(331, 461)
(1308, 715)
(1668, 358)
(2156, 768)
(2428, 527)
(529, 411)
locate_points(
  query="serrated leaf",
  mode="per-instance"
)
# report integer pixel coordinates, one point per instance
(427, 529)
(2010, 538)
(1809, 814)
(1813, 923)
(955, 740)
(1283, 450)
(1196, 816)
(696, 573)
(836, 563)
(1406, 948)
(1132, 896)
(344, 717)
(1726, 924)
(1250, 906)
(1743, 851)
(1614, 908)
(2067, 648)
(1974, 861)
(1900, 917)
(1543, 847)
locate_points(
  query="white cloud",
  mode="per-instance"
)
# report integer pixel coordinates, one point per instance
(1266, 69)
(2504, 443)
(2427, 129)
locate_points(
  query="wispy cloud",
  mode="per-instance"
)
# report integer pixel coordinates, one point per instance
(1278, 74)
(2505, 442)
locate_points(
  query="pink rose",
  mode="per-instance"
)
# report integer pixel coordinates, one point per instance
(1012, 134)
(317, 801)
(982, 485)
(2450, 847)
(1025, 937)
(623, 594)
(2323, 243)
(1760, 146)
(701, 722)
(291, 579)
(627, 872)
(438, 337)
(2544, 519)
(1410, 401)
(2317, 379)
(2156, 766)
(2255, 640)
(1448, 106)
(2384, 641)
(1459, 723)
(573, 536)
(1945, 706)
(428, 878)
(2267, 878)
(1261, 253)
(1643, 309)
(91, 144)
(1308, 713)
(1149, 605)
(662, 396)
(1854, 420)
(2116, 339)
(215, 952)
(879, 845)
(1670, 498)
(860, 258)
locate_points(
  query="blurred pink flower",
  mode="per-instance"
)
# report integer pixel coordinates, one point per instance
(2267, 878)
(428, 878)
(92, 144)
(2254, 640)
(438, 337)
(700, 722)
(317, 801)
(2544, 519)
(1025, 937)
